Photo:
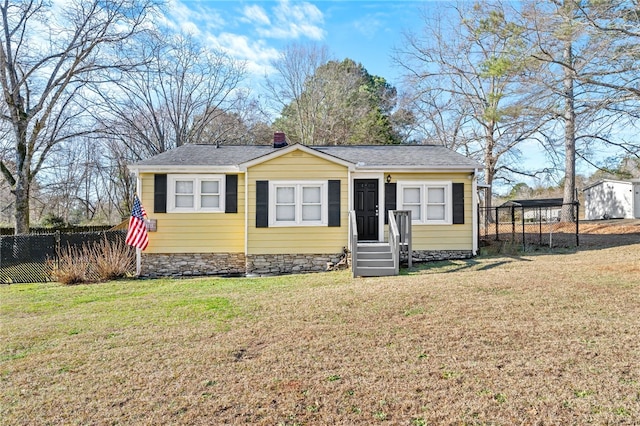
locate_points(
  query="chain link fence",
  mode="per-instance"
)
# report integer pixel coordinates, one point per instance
(26, 258)
(7, 230)
(527, 228)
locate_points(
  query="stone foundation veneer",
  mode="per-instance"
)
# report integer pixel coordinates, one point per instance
(273, 264)
(191, 264)
(436, 255)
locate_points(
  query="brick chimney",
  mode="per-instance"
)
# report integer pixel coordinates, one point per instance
(279, 140)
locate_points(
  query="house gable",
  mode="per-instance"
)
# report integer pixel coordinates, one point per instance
(293, 149)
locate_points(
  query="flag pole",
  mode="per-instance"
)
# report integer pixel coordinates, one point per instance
(137, 234)
(138, 261)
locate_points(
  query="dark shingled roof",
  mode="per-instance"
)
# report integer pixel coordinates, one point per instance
(428, 156)
(371, 156)
(536, 202)
(207, 155)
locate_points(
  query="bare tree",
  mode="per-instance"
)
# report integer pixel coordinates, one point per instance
(343, 105)
(590, 65)
(7, 157)
(114, 177)
(172, 98)
(48, 54)
(291, 87)
(468, 69)
(83, 183)
(245, 124)
(617, 24)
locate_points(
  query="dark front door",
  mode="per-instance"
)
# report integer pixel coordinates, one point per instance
(366, 207)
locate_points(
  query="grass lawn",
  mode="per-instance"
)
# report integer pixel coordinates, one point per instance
(541, 339)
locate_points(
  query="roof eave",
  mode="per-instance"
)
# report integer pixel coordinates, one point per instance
(183, 169)
(600, 182)
(398, 169)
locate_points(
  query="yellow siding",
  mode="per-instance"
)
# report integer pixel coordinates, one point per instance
(195, 232)
(296, 166)
(222, 232)
(443, 237)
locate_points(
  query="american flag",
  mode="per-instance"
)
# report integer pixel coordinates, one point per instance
(137, 233)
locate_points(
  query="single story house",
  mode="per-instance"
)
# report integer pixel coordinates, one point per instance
(612, 199)
(282, 209)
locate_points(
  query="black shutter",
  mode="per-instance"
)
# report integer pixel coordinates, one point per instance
(458, 203)
(389, 199)
(231, 194)
(262, 204)
(334, 203)
(160, 193)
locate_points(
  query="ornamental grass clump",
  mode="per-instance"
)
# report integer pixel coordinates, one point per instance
(101, 261)
(72, 266)
(112, 259)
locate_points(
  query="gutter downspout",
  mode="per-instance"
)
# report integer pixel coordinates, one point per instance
(349, 208)
(246, 217)
(138, 251)
(474, 192)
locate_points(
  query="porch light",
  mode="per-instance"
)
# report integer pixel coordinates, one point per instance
(388, 178)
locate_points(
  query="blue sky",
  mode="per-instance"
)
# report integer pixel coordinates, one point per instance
(366, 31)
(254, 31)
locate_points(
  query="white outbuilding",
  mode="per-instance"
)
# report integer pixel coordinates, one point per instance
(612, 199)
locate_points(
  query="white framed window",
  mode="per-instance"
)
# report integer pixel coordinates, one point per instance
(435, 203)
(430, 202)
(298, 203)
(195, 193)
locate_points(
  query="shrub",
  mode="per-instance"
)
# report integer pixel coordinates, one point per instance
(101, 261)
(53, 221)
(73, 265)
(112, 259)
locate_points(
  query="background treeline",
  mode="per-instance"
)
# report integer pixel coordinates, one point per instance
(97, 85)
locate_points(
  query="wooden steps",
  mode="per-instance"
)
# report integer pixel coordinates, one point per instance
(375, 260)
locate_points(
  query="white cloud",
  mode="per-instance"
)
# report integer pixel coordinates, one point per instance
(256, 54)
(369, 25)
(294, 21)
(247, 33)
(191, 20)
(256, 14)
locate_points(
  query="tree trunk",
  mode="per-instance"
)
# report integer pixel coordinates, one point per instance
(569, 136)
(489, 175)
(23, 174)
(22, 205)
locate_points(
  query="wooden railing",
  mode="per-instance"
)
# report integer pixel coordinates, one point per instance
(394, 241)
(399, 238)
(402, 218)
(353, 242)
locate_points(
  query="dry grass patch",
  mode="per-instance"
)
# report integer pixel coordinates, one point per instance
(546, 339)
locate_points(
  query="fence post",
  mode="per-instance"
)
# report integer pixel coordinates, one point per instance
(524, 234)
(577, 222)
(540, 224)
(57, 236)
(478, 233)
(513, 224)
